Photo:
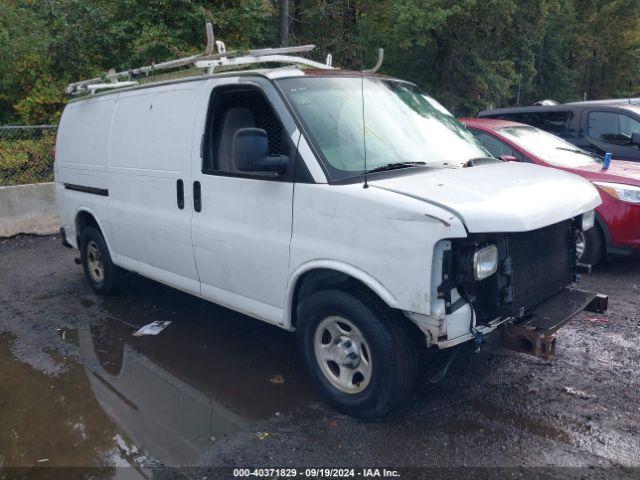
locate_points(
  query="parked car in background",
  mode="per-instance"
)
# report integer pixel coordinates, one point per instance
(598, 126)
(617, 218)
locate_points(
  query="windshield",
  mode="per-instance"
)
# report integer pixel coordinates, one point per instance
(548, 147)
(401, 124)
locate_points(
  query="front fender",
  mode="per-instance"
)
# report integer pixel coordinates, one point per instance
(337, 266)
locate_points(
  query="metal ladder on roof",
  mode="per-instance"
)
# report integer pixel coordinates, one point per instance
(206, 61)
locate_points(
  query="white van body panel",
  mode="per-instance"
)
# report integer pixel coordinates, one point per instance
(151, 147)
(500, 197)
(81, 159)
(384, 239)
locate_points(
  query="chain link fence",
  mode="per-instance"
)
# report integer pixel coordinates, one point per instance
(26, 154)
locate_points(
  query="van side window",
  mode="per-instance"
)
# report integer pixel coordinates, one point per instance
(612, 127)
(234, 108)
(495, 146)
(557, 122)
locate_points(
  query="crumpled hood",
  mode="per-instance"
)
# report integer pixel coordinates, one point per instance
(500, 197)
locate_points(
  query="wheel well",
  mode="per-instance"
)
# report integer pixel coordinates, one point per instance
(85, 219)
(322, 278)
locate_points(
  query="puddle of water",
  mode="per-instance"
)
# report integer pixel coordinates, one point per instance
(178, 392)
(208, 374)
(229, 356)
(52, 422)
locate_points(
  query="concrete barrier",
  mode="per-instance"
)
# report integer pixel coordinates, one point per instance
(28, 209)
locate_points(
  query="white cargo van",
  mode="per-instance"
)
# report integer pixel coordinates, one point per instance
(351, 208)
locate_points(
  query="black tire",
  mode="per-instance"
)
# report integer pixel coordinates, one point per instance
(110, 279)
(594, 246)
(392, 351)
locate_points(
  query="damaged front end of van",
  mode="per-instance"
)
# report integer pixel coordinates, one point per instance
(523, 282)
(511, 289)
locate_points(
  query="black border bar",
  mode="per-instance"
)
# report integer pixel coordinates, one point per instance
(103, 192)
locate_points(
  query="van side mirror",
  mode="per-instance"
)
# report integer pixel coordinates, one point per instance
(635, 139)
(251, 152)
(508, 158)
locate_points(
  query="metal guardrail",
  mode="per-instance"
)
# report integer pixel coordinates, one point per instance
(26, 153)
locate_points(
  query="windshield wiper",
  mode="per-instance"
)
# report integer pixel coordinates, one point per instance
(580, 152)
(395, 166)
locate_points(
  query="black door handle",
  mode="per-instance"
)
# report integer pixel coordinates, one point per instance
(180, 193)
(197, 200)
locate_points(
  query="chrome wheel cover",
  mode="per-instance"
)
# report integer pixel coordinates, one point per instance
(95, 265)
(343, 354)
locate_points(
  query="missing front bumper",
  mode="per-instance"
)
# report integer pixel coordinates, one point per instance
(534, 334)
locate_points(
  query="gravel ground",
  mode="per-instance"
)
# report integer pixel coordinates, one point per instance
(219, 389)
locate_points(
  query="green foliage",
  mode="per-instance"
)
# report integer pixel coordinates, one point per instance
(470, 54)
(27, 161)
(476, 54)
(49, 43)
(44, 102)
(158, 30)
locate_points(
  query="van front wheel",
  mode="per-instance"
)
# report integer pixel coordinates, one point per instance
(358, 354)
(103, 276)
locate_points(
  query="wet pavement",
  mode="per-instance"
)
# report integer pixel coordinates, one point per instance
(80, 397)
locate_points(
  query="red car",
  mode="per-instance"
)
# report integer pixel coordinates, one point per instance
(617, 228)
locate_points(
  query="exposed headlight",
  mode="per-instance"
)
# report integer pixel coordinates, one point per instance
(485, 262)
(626, 193)
(588, 220)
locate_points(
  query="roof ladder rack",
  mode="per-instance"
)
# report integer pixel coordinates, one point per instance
(251, 57)
(206, 61)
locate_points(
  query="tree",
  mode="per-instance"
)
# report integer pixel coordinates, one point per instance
(470, 54)
(283, 15)
(49, 43)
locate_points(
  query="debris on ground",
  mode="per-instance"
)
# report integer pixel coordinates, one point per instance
(124, 447)
(152, 328)
(42, 460)
(577, 393)
(262, 435)
(277, 379)
(599, 320)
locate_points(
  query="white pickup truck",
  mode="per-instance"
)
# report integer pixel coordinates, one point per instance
(351, 208)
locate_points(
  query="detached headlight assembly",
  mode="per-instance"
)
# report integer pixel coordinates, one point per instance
(625, 193)
(485, 262)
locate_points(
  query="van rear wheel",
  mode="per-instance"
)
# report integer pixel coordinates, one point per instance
(103, 276)
(359, 356)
